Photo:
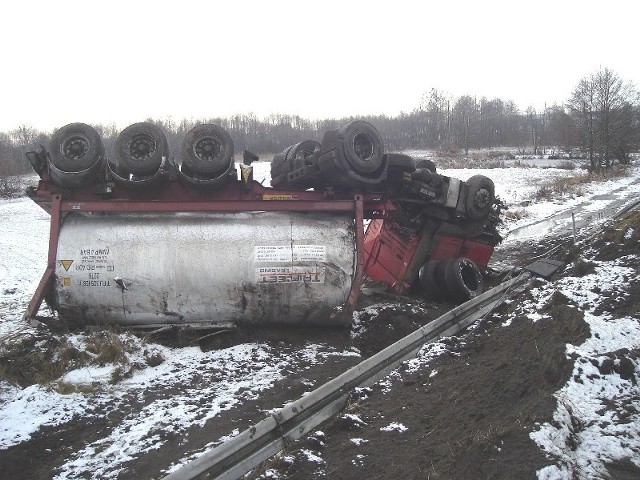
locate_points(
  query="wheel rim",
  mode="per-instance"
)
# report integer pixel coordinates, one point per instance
(482, 198)
(363, 146)
(75, 147)
(142, 146)
(469, 276)
(208, 148)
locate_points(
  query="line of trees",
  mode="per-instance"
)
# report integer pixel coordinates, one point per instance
(601, 118)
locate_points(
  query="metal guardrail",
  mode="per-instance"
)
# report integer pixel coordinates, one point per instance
(247, 450)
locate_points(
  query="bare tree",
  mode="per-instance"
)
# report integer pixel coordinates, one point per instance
(602, 105)
(464, 122)
(560, 128)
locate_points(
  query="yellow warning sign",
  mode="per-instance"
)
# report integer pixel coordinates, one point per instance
(268, 196)
(66, 264)
(66, 281)
(246, 173)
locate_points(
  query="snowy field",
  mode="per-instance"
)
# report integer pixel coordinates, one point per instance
(244, 371)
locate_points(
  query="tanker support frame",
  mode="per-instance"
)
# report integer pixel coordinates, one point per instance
(236, 196)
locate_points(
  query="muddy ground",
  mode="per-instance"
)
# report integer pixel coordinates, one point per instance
(470, 420)
(469, 414)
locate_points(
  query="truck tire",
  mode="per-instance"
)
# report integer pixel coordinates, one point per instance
(463, 279)
(480, 197)
(428, 164)
(361, 146)
(279, 163)
(140, 148)
(400, 162)
(429, 285)
(301, 154)
(75, 147)
(423, 175)
(207, 150)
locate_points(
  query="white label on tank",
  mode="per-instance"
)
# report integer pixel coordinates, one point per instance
(286, 253)
(92, 268)
(290, 274)
(309, 253)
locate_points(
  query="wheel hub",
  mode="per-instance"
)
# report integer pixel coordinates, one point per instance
(363, 146)
(482, 198)
(208, 148)
(75, 147)
(142, 146)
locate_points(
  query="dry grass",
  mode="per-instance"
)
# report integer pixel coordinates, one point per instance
(29, 360)
(460, 162)
(153, 358)
(10, 187)
(627, 228)
(582, 267)
(574, 185)
(517, 214)
(107, 347)
(44, 358)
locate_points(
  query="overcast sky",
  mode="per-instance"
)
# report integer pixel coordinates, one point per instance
(120, 61)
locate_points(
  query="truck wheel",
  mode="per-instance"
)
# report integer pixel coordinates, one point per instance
(207, 149)
(423, 175)
(429, 284)
(277, 165)
(463, 279)
(361, 146)
(75, 147)
(140, 148)
(400, 162)
(428, 164)
(480, 197)
(301, 154)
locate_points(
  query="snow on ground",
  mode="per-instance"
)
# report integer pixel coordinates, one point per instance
(23, 243)
(212, 382)
(588, 429)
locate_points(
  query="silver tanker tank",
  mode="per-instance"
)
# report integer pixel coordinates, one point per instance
(203, 268)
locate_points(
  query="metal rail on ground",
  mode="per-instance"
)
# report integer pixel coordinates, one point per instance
(247, 450)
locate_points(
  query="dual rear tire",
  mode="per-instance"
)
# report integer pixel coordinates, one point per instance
(458, 279)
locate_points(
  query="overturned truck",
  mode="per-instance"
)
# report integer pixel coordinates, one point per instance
(144, 239)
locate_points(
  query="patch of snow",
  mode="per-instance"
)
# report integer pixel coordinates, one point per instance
(24, 411)
(311, 456)
(358, 441)
(89, 375)
(428, 352)
(394, 427)
(354, 419)
(598, 414)
(358, 461)
(367, 315)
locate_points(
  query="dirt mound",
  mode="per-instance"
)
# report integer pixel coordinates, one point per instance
(468, 417)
